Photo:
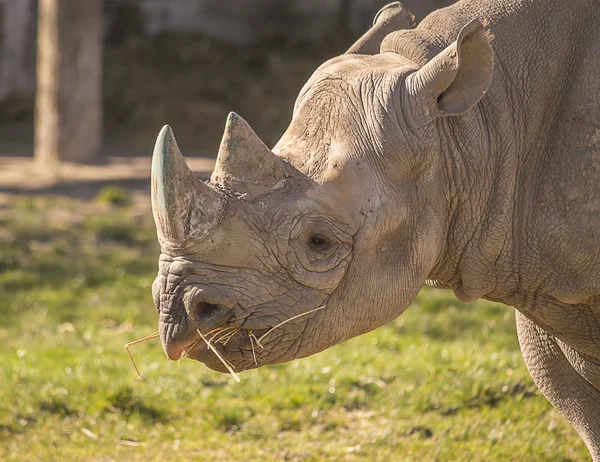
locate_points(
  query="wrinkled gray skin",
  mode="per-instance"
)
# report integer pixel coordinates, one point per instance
(419, 156)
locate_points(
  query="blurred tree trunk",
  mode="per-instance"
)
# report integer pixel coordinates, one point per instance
(68, 113)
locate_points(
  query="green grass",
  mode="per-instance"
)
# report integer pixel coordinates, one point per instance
(445, 381)
(114, 195)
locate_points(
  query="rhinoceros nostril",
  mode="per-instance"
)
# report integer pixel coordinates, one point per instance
(205, 311)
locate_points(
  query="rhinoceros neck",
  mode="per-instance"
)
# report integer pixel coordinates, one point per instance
(493, 154)
(480, 173)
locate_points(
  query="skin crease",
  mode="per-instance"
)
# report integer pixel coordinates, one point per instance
(432, 160)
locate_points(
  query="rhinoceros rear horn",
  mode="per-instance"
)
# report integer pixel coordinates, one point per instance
(184, 207)
(388, 19)
(244, 164)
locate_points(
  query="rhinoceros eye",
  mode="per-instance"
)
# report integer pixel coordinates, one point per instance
(319, 243)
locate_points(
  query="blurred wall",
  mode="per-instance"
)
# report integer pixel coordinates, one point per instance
(241, 22)
(244, 22)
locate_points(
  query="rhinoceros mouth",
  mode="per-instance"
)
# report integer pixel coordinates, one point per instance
(179, 340)
(198, 349)
(242, 347)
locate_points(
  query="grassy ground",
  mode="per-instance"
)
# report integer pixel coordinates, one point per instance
(443, 382)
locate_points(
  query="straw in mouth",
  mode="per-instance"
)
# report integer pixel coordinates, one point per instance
(220, 335)
(226, 363)
(286, 321)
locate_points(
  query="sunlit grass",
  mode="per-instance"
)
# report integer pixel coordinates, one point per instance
(445, 381)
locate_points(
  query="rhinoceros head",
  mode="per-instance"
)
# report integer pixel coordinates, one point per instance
(286, 252)
(259, 244)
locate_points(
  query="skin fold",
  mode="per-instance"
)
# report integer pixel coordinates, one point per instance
(464, 153)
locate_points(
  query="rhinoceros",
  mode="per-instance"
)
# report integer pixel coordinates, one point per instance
(463, 153)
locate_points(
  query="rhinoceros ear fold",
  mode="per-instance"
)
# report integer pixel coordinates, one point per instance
(390, 18)
(244, 164)
(185, 209)
(457, 78)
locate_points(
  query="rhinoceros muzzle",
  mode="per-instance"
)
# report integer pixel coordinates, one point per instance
(179, 332)
(186, 309)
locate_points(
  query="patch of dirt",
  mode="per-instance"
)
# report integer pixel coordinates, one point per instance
(21, 176)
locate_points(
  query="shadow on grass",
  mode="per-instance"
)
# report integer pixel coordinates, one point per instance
(127, 403)
(56, 406)
(488, 397)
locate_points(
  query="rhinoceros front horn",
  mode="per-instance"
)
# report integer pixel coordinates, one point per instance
(244, 164)
(184, 208)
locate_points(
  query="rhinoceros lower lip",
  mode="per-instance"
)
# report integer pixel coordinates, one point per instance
(197, 346)
(175, 351)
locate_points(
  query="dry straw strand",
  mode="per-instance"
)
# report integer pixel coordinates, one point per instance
(149, 337)
(255, 339)
(286, 321)
(215, 331)
(250, 335)
(226, 363)
(224, 340)
(220, 333)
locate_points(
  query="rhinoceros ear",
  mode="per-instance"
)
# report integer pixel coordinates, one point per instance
(184, 208)
(457, 78)
(390, 18)
(244, 164)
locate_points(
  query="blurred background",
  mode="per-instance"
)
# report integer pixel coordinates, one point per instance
(110, 73)
(85, 86)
